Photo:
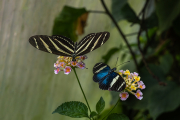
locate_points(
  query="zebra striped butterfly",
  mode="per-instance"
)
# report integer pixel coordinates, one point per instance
(63, 46)
(107, 78)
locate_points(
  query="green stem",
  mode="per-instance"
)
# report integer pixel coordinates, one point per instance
(111, 109)
(82, 89)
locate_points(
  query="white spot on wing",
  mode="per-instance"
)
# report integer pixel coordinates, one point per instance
(121, 85)
(101, 69)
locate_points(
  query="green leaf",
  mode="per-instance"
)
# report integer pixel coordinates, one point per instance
(151, 21)
(167, 11)
(93, 113)
(164, 99)
(100, 105)
(115, 116)
(109, 54)
(73, 109)
(166, 62)
(121, 10)
(66, 22)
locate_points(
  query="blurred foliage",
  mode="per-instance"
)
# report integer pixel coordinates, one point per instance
(161, 53)
(160, 45)
(121, 10)
(69, 22)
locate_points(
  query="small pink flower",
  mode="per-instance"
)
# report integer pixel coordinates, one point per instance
(131, 76)
(123, 96)
(141, 85)
(83, 57)
(67, 70)
(121, 71)
(81, 65)
(57, 70)
(55, 65)
(73, 63)
(139, 94)
(136, 74)
(62, 64)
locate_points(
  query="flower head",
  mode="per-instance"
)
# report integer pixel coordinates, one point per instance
(67, 70)
(123, 96)
(139, 95)
(141, 85)
(133, 84)
(57, 70)
(65, 64)
(81, 65)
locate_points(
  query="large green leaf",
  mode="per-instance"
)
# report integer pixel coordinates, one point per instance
(167, 11)
(100, 105)
(121, 10)
(166, 62)
(163, 99)
(73, 109)
(66, 22)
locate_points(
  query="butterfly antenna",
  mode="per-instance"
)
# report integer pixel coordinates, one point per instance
(122, 63)
(116, 61)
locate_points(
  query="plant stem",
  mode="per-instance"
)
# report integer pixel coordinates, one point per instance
(81, 89)
(111, 109)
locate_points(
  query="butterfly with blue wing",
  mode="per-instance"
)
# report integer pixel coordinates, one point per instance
(107, 78)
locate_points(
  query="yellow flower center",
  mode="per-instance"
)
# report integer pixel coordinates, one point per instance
(138, 95)
(123, 96)
(68, 70)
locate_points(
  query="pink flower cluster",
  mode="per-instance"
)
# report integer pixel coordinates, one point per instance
(133, 83)
(65, 64)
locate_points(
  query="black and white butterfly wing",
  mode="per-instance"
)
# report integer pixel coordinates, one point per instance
(107, 78)
(91, 42)
(55, 44)
(117, 84)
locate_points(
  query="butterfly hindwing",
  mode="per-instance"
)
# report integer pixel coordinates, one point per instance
(107, 78)
(58, 45)
(91, 42)
(117, 84)
(104, 83)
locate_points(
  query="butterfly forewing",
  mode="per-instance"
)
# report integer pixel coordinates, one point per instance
(91, 42)
(58, 45)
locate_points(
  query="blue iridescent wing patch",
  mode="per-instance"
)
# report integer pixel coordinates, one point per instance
(107, 78)
(100, 70)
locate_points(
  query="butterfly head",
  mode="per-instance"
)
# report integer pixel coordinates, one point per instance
(73, 57)
(114, 69)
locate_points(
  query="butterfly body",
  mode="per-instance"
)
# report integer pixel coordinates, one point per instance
(64, 46)
(107, 78)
